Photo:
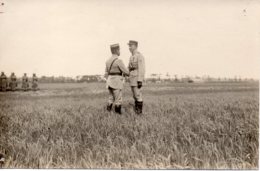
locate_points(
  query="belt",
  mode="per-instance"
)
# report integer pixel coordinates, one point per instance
(116, 74)
(132, 69)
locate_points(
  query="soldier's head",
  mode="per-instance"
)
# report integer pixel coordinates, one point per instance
(34, 74)
(115, 49)
(132, 45)
(25, 74)
(12, 73)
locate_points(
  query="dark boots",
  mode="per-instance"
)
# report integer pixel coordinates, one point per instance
(138, 107)
(109, 107)
(118, 109)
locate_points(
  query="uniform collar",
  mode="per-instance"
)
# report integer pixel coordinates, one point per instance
(135, 52)
(114, 56)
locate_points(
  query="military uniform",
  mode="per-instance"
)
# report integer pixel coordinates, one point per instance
(3, 82)
(13, 82)
(137, 71)
(25, 82)
(114, 72)
(34, 82)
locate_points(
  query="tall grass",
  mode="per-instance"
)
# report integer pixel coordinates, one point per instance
(69, 128)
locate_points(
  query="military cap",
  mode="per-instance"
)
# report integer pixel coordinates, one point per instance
(114, 46)
(132, 42)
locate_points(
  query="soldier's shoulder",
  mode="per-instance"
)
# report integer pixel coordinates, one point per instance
(139, 54)
(119, 61)
(108, 60)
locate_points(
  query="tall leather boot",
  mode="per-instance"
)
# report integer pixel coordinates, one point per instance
(109, 107)
(139, 107)
(118, 109)
(136, 106)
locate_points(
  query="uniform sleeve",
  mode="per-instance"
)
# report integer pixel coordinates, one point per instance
(141, 68)
(129, 64)
(106, 72)
(122, 67)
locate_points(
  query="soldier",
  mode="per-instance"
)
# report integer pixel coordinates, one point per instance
(34, 82)
(3, 81)
(25, 82)
(137, 71)
(115, 70)
(13, 82)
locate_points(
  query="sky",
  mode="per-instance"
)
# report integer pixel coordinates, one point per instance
(219, 38)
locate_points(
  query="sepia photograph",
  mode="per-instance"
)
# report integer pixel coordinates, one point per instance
(129, 84)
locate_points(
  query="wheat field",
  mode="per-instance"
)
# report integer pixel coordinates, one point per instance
(184, 126)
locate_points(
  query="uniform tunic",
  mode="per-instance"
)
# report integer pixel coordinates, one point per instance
(3, 82)
(25, 83)
(34, 82)
(137, 71)
(13, 82)
(137, 68)
(114, 73)
(118, 67)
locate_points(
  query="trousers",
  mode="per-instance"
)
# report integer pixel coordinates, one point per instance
(115, 96)
(137, 94)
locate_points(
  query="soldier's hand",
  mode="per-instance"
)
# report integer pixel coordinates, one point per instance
(139, 84)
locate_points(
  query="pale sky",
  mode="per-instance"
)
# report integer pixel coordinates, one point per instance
(220, 38)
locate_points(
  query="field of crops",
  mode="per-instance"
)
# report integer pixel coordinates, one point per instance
(198, 126)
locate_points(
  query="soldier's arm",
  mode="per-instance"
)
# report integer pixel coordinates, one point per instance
(128, 65)
(141, 68)
(106, 72)
(122, 67)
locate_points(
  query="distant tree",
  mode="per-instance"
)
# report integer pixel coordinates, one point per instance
(168, 77)
(235, 79)
(239, 79)
(53, 79)
(175, 78)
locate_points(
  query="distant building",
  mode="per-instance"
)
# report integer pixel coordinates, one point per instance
(197, 79)
(90, 78)
(153, 78)
(52, 79)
